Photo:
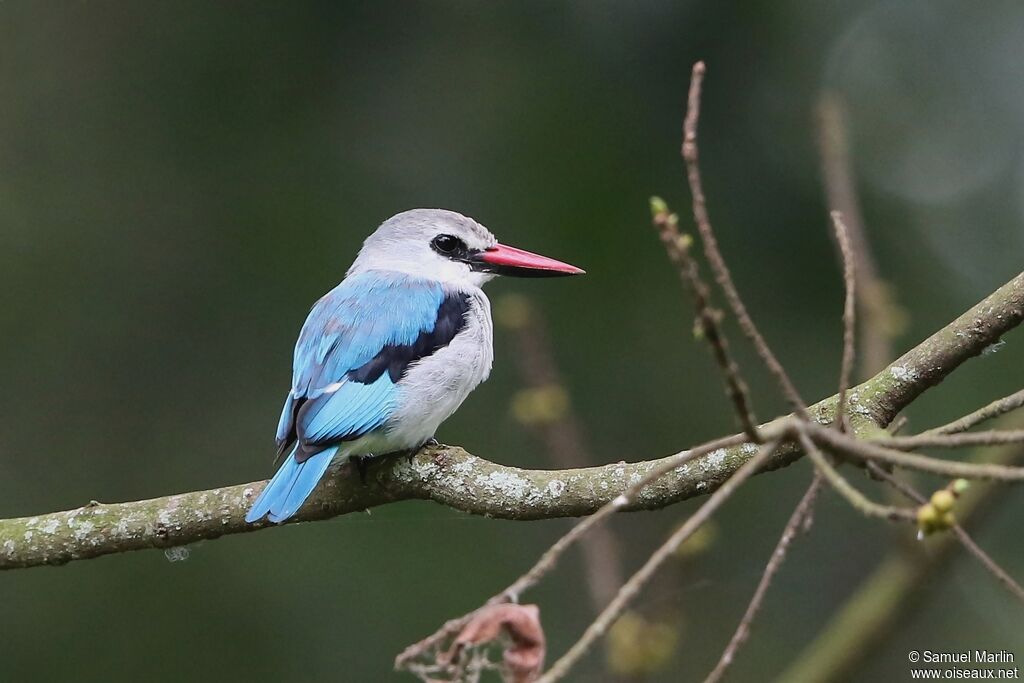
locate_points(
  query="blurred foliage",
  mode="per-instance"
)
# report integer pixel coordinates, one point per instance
(179, 181)
(540, 405)
(702, 541)
(639, 647)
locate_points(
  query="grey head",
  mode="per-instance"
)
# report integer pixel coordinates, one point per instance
(448, 247)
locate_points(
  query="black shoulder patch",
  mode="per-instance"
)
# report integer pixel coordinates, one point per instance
(395, 359)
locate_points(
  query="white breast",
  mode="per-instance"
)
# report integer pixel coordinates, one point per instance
(434, 387)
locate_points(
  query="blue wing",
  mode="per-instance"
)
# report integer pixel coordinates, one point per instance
(339, 388)
(354, 348)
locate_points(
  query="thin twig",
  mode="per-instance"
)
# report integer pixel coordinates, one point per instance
(849, 316)
(552, 555)
(990, 564)
(714, 255)
(930, 440)
(897, 425)
(871, 450)
(636, 582)
(844, 488)
(965, 538)
(550, 558)
(898, 484)
(678, 248)
(992, 410)
(797, 522)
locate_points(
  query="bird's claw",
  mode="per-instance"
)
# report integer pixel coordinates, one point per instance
(429, 443)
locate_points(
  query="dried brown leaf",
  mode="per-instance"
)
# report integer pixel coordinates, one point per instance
(523, 655)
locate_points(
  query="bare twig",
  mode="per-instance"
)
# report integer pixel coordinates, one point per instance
(630, 589)
(930, 440)
(992, 410)
(678, 248)
(797, 522)
(988, 563)
(714, 255)
(849, 316)
(872, 450)
(895, 482)
(853, 496)
(897, 425)
(550, 558)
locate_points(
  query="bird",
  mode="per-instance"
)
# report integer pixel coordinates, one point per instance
(391, 352)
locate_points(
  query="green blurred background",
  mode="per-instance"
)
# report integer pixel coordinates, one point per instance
(179, 181)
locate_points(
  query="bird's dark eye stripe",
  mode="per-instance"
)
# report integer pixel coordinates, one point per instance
(448, 245)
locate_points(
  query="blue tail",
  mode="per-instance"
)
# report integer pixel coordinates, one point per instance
(290, 487)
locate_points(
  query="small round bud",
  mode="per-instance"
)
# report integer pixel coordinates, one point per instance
(960, 486)
(943, 500)
(927, 518)
(658, 206)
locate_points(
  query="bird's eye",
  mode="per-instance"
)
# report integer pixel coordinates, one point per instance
(448, 244)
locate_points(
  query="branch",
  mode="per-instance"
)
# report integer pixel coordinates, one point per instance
(931, 361)
(870, 450)
(448, 475)
(453, 477)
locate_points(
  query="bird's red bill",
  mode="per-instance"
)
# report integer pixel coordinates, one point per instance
(511, 257)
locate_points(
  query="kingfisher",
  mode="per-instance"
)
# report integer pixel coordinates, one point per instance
(390, 353)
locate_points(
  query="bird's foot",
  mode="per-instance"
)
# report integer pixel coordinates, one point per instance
(431, 443)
